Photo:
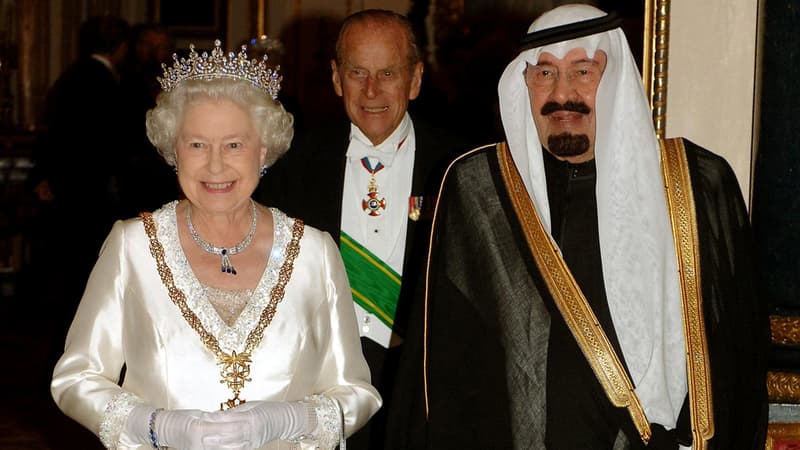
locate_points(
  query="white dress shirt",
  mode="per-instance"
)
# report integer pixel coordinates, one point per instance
(385, 234)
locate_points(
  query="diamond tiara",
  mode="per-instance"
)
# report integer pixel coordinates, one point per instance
(217, 65)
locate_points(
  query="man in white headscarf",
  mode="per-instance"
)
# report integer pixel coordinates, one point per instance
(571, 302)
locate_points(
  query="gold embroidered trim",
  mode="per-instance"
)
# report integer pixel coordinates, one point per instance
(783, 387)
(678, 188)
(234, 368)
(785, 329)
(571, 302)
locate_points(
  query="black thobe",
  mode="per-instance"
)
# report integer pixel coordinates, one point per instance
(489, 327)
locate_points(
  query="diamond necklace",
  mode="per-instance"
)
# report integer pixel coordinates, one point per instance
(223, 252)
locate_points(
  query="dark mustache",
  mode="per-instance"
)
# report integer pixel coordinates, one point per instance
(578, 107)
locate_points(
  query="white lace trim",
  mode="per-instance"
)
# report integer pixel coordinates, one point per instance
(116, 413)
(231, 338)
(329, 430)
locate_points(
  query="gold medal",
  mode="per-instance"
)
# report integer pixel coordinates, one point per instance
(414, 207)
(372, 204)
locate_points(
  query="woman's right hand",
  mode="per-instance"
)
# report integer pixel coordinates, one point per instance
(194, 429)
(189, 429)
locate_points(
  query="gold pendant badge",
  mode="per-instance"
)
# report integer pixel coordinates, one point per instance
(234, 368)
(235, 372)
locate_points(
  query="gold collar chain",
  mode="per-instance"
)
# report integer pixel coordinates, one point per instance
(234, 367)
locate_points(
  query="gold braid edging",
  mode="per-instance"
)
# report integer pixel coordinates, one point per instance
(678, 189)
(235, 368)
(571, 302)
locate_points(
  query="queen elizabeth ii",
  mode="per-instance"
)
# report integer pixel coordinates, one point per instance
(232, 323)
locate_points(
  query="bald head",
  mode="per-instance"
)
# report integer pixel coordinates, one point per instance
(377, 71)
(378, 18)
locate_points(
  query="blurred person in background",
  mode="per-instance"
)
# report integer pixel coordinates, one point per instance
(151, 45)
(78, 164)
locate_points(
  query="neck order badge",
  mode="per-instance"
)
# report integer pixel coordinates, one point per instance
(372, 204)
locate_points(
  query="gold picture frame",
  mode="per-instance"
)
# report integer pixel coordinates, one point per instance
(783, 436)
(784, 387)
(205, 19)
(767, 164)
(655, 58)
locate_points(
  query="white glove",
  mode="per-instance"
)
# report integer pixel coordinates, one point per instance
(184, 429)
(269, 421)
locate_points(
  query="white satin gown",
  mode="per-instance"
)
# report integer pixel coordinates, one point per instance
(127, 318)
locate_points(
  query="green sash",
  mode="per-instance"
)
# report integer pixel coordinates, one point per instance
(375, 286)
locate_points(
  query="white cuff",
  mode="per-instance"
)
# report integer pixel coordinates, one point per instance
(114, 418)
(326, 422)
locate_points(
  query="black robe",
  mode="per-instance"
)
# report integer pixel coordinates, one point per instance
(485, 327)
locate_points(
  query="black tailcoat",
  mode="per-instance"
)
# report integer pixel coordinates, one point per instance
(308, 182)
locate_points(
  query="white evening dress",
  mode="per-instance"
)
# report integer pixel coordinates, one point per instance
(310, 349)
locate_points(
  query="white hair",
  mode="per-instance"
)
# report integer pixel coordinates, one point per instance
(271, 120)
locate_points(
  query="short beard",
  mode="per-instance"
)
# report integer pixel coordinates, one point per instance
(566, 144)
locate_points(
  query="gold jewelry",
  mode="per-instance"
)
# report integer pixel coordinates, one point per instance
(373, 205)
(234, 367)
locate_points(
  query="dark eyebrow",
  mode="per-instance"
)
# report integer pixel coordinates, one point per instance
(585, 60)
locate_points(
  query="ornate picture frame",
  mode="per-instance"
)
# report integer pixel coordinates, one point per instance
(202, 18)
(783, 386)
(198, 22)
(783, 436)
(655, 59)
(774, 202)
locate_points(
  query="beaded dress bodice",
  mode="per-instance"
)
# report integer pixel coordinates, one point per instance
(229, 303)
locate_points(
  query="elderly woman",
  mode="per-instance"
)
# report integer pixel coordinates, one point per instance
(216, 322)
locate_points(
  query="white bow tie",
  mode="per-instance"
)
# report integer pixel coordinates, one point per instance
(383, 153)
(361, 146)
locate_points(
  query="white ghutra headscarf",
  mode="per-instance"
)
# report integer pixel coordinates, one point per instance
(636, 244)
